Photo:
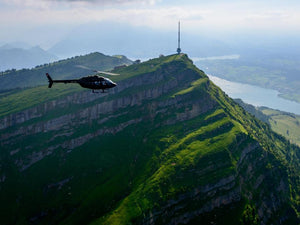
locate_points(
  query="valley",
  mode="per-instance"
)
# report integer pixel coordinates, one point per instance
(278, 71)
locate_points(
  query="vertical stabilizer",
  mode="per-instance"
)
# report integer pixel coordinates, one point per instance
(50, 80)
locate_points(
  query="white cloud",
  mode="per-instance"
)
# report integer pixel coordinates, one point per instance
(109, 2)
(219, 16)
(57, 3)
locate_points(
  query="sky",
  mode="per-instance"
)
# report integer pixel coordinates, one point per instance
(44, 22)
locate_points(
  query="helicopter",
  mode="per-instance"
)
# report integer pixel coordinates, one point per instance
(94, 82)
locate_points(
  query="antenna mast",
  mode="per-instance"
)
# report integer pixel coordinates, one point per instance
(178, 49)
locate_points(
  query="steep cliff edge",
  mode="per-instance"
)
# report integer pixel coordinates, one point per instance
(165, 147)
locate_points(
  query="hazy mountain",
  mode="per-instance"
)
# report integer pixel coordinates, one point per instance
(13, 45)
(166, 146)
(18, 58)
(64, 69)
(134, 42)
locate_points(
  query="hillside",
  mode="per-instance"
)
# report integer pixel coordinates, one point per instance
(71, 68)
(166, 146)
(286, 124)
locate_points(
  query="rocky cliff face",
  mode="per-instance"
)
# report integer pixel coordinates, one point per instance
(164, 147)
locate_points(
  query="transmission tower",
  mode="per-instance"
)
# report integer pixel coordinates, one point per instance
(178, 49)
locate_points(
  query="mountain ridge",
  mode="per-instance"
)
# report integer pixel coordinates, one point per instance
(71, 68)
(166, 146)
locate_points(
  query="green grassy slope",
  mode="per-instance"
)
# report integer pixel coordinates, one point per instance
(172, 147)
(18, 100)
(171, 176)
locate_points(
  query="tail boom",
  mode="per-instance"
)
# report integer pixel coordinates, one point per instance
(58, 81)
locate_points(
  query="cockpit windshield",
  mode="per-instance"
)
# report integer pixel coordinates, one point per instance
(108, 80)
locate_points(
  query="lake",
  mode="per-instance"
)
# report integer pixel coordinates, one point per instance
(255, 95)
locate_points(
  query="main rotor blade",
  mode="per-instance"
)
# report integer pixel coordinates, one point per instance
(84, 67)
(97, 71)
(107, 73)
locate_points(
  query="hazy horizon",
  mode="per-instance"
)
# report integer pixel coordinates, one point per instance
(47, 22)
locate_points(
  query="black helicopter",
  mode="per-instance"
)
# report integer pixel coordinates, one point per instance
(94, 82)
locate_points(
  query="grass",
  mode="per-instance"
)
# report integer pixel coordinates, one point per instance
(197, 150)
(196, 84)
(28, 98)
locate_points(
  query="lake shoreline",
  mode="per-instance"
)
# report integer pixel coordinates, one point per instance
(257, 96)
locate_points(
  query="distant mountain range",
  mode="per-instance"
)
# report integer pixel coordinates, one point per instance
(166, 146)
(134, 42)
(12, 45)
(15, 57)
(144, 43)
